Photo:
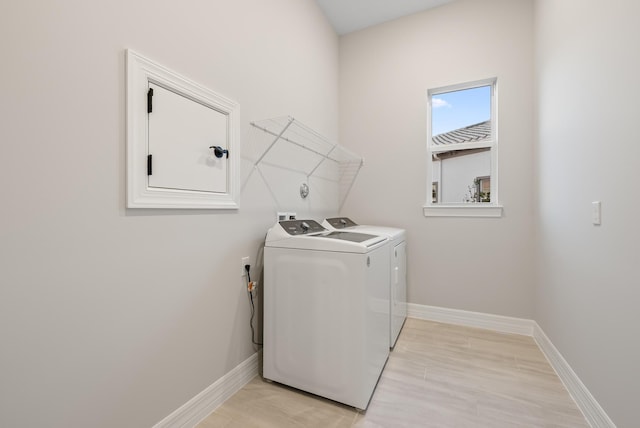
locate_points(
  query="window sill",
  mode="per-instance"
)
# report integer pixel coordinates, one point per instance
(470, 210)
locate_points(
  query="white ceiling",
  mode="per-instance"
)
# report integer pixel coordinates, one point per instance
(351, 15)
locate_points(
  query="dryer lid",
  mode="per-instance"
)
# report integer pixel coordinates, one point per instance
(347, 236)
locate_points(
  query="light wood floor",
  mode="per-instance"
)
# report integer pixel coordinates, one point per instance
(438, 375)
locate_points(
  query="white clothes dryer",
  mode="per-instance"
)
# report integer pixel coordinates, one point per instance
(398, 268)
(326, 310)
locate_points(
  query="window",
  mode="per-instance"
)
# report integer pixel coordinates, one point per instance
(462, 150)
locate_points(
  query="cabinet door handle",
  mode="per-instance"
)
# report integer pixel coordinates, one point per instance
(219, 151)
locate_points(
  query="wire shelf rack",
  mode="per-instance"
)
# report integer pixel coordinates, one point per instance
(287, 143)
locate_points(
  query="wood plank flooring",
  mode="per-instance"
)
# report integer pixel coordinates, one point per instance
(438, 375)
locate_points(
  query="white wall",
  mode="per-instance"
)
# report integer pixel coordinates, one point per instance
(465, 263)
(588, 65)
(112, 317)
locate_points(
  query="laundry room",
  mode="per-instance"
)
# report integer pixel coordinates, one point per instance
(122, 306)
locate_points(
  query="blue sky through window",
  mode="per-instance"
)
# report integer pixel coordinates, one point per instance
(457, 109)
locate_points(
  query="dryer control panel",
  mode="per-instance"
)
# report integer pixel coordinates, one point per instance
(301, 227)
(341, 222)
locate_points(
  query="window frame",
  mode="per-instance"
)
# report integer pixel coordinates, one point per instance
(464, 209)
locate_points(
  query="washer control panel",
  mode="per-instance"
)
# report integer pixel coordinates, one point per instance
(301, 227)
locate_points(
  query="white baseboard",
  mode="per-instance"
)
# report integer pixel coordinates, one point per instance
(498, 323)
(200, 406)
(592, 411)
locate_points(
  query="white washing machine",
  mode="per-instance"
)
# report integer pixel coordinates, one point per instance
(326, 310)
(398, 268)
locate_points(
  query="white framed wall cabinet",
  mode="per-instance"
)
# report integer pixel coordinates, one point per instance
(183, 146)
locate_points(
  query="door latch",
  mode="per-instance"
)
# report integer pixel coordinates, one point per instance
(219, 151)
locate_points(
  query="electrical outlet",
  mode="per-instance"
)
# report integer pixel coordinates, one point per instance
(283, 216)
(245, 261)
